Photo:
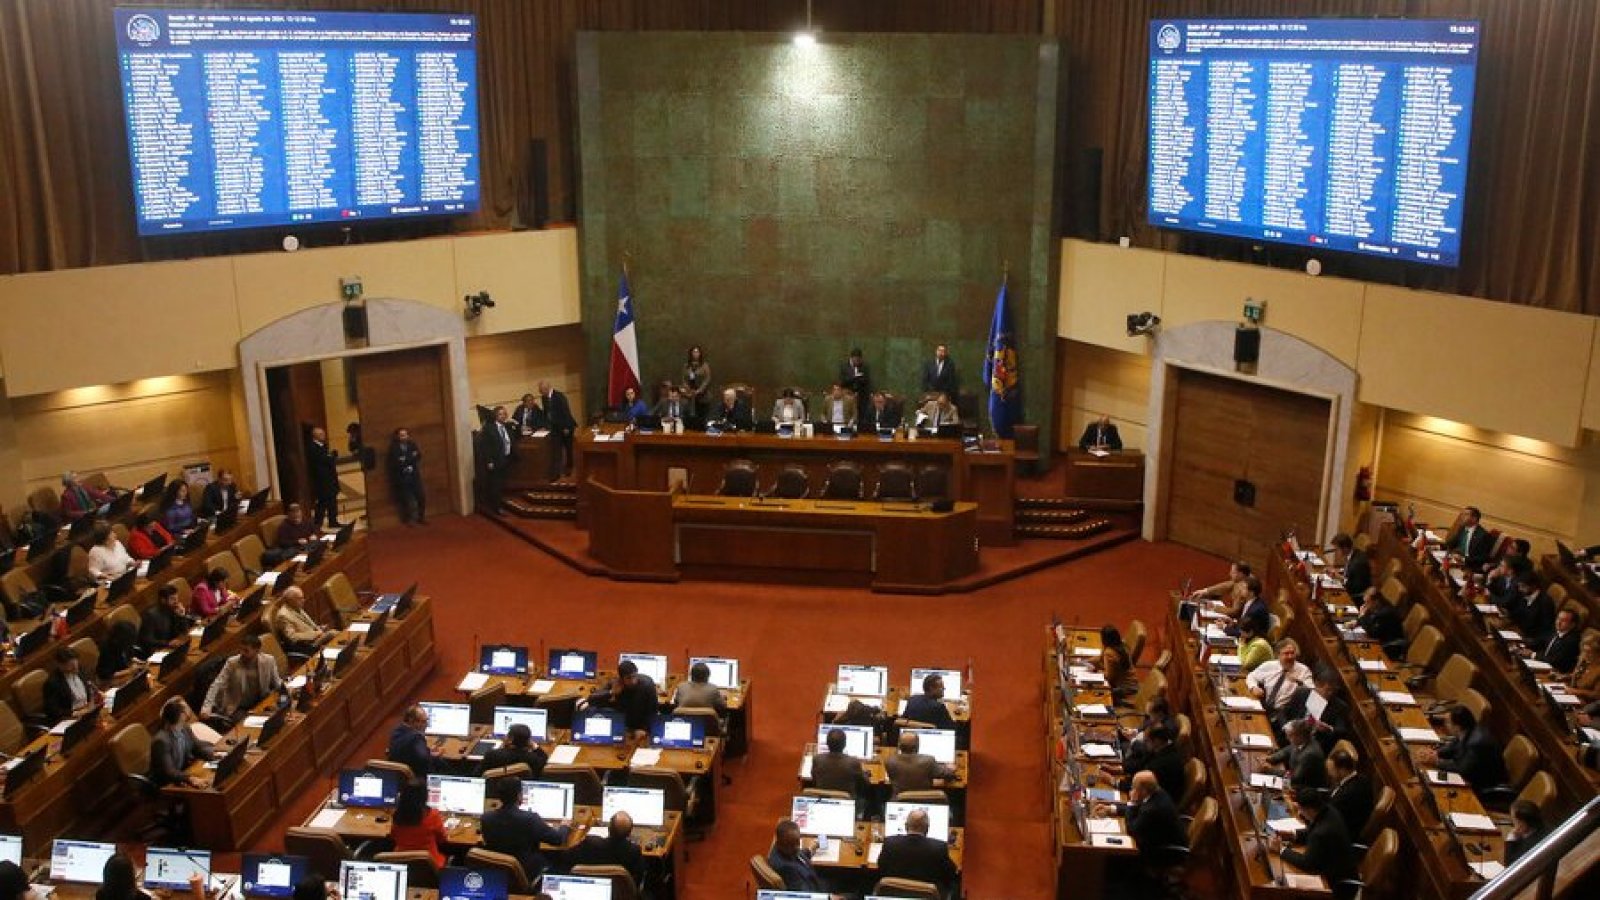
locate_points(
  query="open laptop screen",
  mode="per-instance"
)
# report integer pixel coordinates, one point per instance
(473, 884)
(80, 862)
(361, 880)
(552, 800)
(857, 739)
(651, 664)
(369, 787)
(456, 794)
(824, 815)
(448, 719)
(503, 660)
(939, 743)
(952, 680)
(894, 819)
(11, 848)
(271, 875)
(576, 887)
(647, 806)
(573, 664)
(724, 672)
(537, 720)
(169, 868)
(863, 681)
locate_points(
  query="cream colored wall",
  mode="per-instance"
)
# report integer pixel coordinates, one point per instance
(336, 399)
(504, 367)
(1095, 381)
(189, 316)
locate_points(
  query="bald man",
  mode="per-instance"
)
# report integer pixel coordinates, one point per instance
(1152, 818)
(916, 856)
(912, 770)
(297, 632)
(615, 848)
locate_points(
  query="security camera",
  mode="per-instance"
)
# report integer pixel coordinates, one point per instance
(1143, 323)
(476, 303)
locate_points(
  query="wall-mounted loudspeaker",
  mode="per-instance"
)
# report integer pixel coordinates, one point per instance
(1246, 346)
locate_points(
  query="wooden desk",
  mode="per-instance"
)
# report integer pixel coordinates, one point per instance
(642, 462)
(71, 792)
(1119, 476)
(316, 741)
(531, 461)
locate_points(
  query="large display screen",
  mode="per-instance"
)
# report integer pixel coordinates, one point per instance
(1342, 134)
(247, 118)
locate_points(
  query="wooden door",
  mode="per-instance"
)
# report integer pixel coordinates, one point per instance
(407, 389)
(1225, 430)
(297, 404)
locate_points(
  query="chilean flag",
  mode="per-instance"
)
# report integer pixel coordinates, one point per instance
(624, 348)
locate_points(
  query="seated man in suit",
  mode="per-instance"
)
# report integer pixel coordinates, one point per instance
(68, 692)
(1471, 751)
(296, 630)
(1503, 578)
(733, 414)
(1332, 724)
(529, 417)
(880, 414)
(698, 692)
(246, 679)
(1101, 434)
(1471, 542)
(518, 747)
(939, 373)
(408, 743)
(175, 747)
(788, 409)
(1561, 650)
(918, 857)
(672, 408)
(937, 413)
(1157, 712)
(832, 769)
(928, 706)
(1152, 819)
(518, 832)
(1302, 759)
(1354, 563)
(220, 496)
(838, 408)
(1380, 620)
(793, 862)
(1162, 759)
(1352, 793)
(911, 770)
(616, 848)
(1533, 610)
(165, 621)
(1329, 851)
(1274, 683)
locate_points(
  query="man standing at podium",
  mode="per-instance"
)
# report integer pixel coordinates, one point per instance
(939, 373)
(558, 418)
(855, 378)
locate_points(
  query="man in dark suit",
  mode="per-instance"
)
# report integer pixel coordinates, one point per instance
(1533, 610)
(918, 857)
(518, 747)
(793, 862)
(1152, 819)
(1380, 620)
(835, 770)
(879, 414)
(1162, 759)
(1472, 542)
(633, 694)
(1100, 433)
(529, 417)
(558, 418)
(733, 414)
(672, 407)
(68, 691)
(518, 832)
(408, 743)
(322, 465)
(939, 373)
(495, 447)
(1357, 568)
(1302, 758)
(175, 747)
(1561, 650)
(928, 706)
(220, 496)
(1352, 793)
(1328, 849)
(1471, 751)
(616, 848)
(855, 378)
(911, 770)
(405, 477)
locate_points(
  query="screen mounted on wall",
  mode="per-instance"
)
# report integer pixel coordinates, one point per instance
(250, 118)
(1336, 134)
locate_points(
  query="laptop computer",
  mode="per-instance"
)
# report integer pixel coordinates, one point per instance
(272, 726)
(25, 769)
(161, 560)
(122, 585)
(724, 671)
(652, 664)
(448, 719)
(894, 819)
(598, 726)
(214, 630)
(576, 887)
(647, 424)
(11, 849)
(169, 868)
(230, 763)
(82, 608)
(679, 732)
(951, 677)
(81, 728)
(252, 601)
(376, 629)
(171, 661)
(398, 604)
(363, 880)
(939, 743)
(647, 806)
(285, 579)
(343, 535)
(79, 862)
(258, 501)
(458, 795)
(271, 875)
(817, 816)
(1569, 560)
(573, 664)
(473, 884)
(554, 801)
(369, 788)
(857, 739)
(130, 691)
(862, 681)
(502, 659)
(152, 489)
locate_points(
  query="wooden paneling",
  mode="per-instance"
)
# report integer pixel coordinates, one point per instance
(406, 389)
(1095, 381)
(1100, 285)
(1225, 429)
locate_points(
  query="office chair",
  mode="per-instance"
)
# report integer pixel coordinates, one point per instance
(517, 879)
(483, 701)
(229, 563)
(895, 482)
(906, 887)
(933, 483)
(249, 549)
(766, 877)
(738, 479)
(844, 481)
(420, 870)
(793, 483)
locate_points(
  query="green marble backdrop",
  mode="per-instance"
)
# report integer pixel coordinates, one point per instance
(778, 205)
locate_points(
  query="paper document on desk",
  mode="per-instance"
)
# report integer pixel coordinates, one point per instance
(1285, 826)
(331, 653)
(830, 855)
(1373, 665)
(1225, 660)
(296, 683)
(299, 559)
(873, 851)
(359, 627)
(1097, 453)
(1538, 665)
(1089, 678)
(1472, 822)
(205, 732)
(1103, 825)
(805, 767)
(541, 686)
(473, 681)
(1099, 751)
(645, 756)
(1397, 698)
(328, 818)
(1252, 741)
(1562, 698)
(1510, 636)
(267, 578)
(545, 432)
(1093, 709)
(1419, 736)
(1242, 704)
(61, 727)
(564, 755)
(1451, 779)
(255, 721)
(196, 632)
(1270, 782)
(1302, 881)
(1085, 652)
(1487, 869)
(1488, 609)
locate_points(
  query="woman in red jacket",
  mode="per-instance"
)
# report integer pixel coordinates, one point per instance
(418, 826)
(148, 537)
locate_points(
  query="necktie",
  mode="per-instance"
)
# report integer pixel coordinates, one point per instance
(1466, 539)
(1550, 647)
(1276, 686)
(672, 411)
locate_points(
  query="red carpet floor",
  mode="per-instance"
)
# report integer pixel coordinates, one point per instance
(489, 586)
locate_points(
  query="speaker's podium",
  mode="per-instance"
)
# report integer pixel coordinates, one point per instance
(1115, 476)
(895, 547)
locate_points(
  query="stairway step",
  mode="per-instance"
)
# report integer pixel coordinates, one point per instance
(1063, 532)
(550, 498)
(1051, 516)
(1042, 502)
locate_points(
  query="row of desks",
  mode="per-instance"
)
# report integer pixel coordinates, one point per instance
(72, 787)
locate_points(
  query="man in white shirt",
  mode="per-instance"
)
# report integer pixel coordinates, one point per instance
(1274, 683)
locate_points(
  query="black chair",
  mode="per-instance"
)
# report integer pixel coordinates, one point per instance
(844, 481)
(933, 483)
(895, 482)
(738, 479)
(793, 483)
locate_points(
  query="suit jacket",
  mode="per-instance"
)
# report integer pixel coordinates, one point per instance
(1092, 436)
(405, 462)
(218, 497)
(736, 419)
(58, 694)
(663, 410)
(1383, 624)
(918, 857)
(159, 626)
(559, 413)
(1166, 764)
(497, 442)
(822, 409)
(599, 849)
(872, 419)
(946, 382)
(913, 772)
(1477, 758)
(705, 696)
(1561, 651)
(172, 752)
(227, 691)
(638, 704)
(1307, 764)
(1357, 574)
(859, 384)
(1154, 825)
(322, 464)
(1475, 550)
(529, 418)
(838, 772)
(1327, 848)
(1354, 799)
(517, 832)
(796, 871)
(1535, 617)
(503, 756)
(410, 746)
(1335, 716)
(923, 708)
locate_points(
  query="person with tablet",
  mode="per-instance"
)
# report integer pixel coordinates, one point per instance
(616, 848)
(175, 747)
(517, 748)
(517, 832)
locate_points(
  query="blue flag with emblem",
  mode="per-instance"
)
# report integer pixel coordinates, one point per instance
(1001, 371)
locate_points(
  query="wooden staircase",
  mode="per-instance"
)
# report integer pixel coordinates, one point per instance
(1055, 518)
(557, 500)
